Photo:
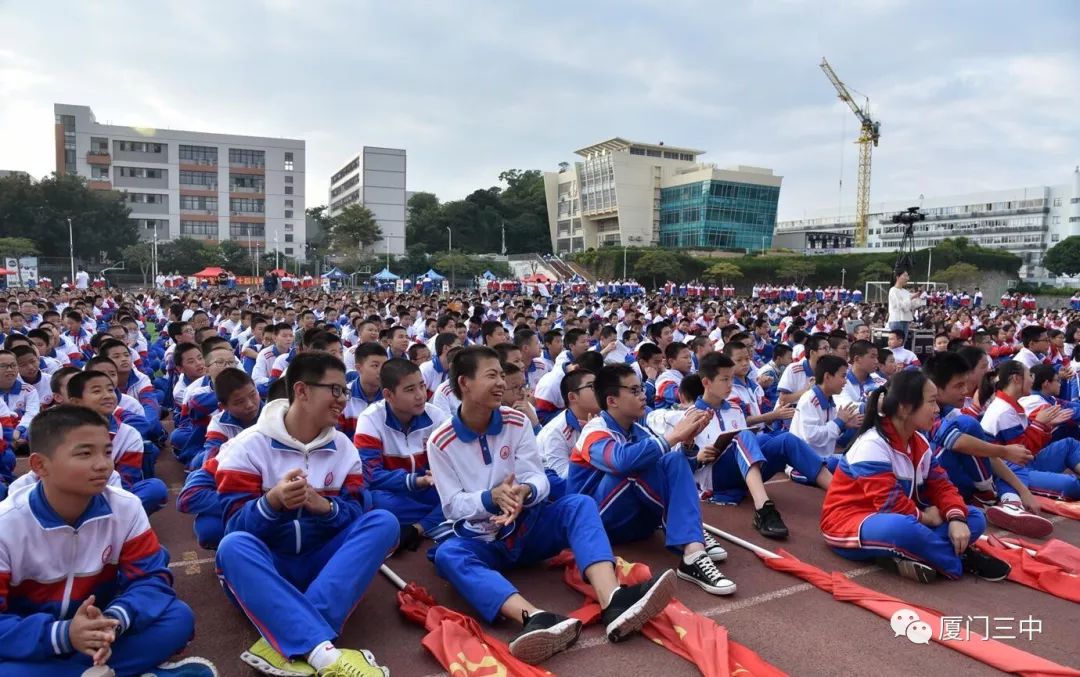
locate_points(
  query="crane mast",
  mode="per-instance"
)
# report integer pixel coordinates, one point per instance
(869, 135)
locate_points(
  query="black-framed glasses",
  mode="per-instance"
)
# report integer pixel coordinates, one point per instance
(636, 391)
(589, 386)
(337, 391)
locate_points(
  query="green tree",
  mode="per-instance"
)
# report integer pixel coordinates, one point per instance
(39, 210)
(660, 265)
(16, 248)
(140, 255)
(877, 271)
(959, 275)
(354, 228)
(184, 255)
(232, 256)
(794, 268)
(1064, 257)
(722, 271)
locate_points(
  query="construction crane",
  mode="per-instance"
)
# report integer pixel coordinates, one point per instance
(869, 134)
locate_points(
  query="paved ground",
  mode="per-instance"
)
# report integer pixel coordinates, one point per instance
(796, 627)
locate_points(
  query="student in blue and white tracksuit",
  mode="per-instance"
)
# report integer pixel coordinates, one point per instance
(45, 582)
(819, 421)
(392, 435)
(637, 484)
(733, 462)
(300, 549)
(493, 487)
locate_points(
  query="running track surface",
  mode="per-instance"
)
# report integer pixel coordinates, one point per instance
(796, 627)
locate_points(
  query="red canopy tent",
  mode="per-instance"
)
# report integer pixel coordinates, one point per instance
(536, 277)
(280, 272)
(5, 271)
(211, 272)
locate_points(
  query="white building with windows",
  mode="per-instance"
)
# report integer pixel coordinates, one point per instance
(1024, 221)
(201, 185)
(375, 178)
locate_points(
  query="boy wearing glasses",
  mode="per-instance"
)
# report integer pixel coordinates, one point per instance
(299, 549)
(201, 402)
(20, 400)
(638, 485)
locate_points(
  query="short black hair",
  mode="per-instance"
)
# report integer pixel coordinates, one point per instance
(229, 381)
(76, 387)
(59, 375)
(443, 340)
(1031, 333)
(369, 349)
(860, 348)
(183, 349)
(590, 361)
(23, 350)
(827, 364)
(278, 391)
(1041, 375)
(310, 366)
(673, 349)
(813, 344)
(96, 360)
(731, 346)
(573, 335)
(110, 344)
(49, 428)
(609, 382)
(691, 388)
(972, 354)
(175, 329)
(572, 382)
(712, 363)
(941, 368)
(465, 363)
(647, 351)
(212, 343)
(488, 328)
(780, 349)
(394, 371)
(504, 350)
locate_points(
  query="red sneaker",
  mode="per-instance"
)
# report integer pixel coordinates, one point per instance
(1012, 517)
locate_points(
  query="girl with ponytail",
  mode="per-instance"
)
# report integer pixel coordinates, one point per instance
(890, 502)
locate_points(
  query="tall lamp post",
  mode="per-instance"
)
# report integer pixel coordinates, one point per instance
(450, 250)
(631, 238)
(71, 251)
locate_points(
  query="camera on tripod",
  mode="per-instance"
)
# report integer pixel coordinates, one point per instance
(906, 252)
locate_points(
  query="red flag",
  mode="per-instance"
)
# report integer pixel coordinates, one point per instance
(1070, 509)
(678, 629)
(1038, 566)
(991, 652)
(458, 642)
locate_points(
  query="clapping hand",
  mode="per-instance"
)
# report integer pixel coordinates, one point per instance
(91, 632)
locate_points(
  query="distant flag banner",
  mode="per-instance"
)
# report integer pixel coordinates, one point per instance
(681, 631)
(458, 642)
(985, 650)
(1053, 567)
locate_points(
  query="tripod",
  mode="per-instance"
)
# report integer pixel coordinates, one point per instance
(905, 254)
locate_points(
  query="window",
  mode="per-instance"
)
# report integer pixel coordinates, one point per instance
(288, 162)
(152, 224)
(634, 150)
(289, 250)
(288, 227)
(205, 228)
(198, 155)
(288, 213)
(288, 203)
(243, 157)
(99, 173)
(247, 230)
(243, 205)
(141, 172)
(198, 203)
(1057, 201)
(138, 146)
(344, 170)
(345, 186)
(288, 190)
(246, 183)
(99, 145)
(147, 198)
(288, 179)
(207, 180)
(288, 237)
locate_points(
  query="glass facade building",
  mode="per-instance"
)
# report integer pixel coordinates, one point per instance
(715, 214)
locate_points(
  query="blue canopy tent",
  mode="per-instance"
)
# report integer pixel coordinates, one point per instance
(433, 276)
(488, 275)
(335, 273)
(385, 275)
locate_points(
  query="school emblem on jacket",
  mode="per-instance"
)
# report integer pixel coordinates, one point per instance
(329, 479)
(504, 453)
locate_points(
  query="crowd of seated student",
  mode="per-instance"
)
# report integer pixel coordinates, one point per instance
(318, 443)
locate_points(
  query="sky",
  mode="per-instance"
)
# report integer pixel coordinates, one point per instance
(971, 95)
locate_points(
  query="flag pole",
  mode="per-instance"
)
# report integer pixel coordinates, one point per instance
(394, 578)
(757, 550)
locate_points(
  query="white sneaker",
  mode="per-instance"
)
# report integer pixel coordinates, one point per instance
(1012, 517)
(713, 547)
(704, 574)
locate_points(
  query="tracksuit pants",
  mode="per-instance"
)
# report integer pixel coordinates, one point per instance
(772, 456)
(415, 507)
(472, 565)
(968, 473)
(632, 507)
(296, 602)
(1047, 474)
(133, 653)
(152, 492)
(200, 498)
(895, 535)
